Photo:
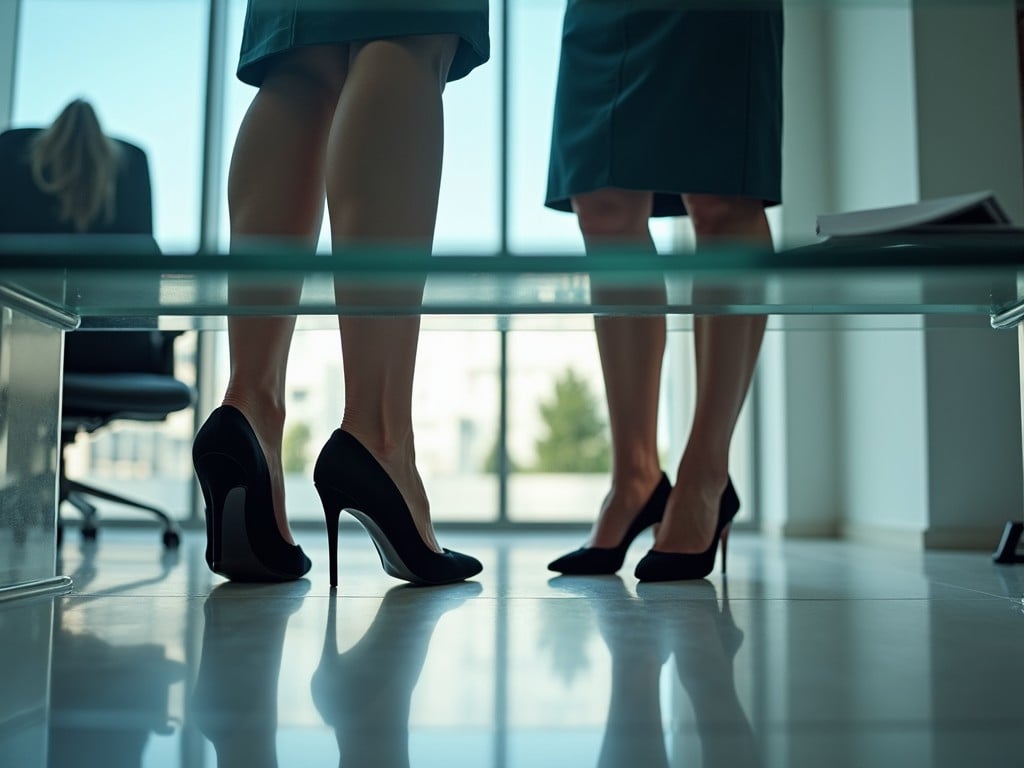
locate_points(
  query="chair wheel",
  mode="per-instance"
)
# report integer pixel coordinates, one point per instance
(90, 534)
(171, 539)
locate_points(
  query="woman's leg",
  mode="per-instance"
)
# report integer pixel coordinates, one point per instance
(726, 351)
(276, 190)
(631, 351)
(383, 181)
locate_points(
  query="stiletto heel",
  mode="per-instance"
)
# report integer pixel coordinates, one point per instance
(605, 560)
(331, 518)
(677, 566)
(348, 478)
(243, 542)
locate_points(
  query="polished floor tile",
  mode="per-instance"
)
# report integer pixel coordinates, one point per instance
(809, 654)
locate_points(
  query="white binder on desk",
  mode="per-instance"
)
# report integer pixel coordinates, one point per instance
(974, 212)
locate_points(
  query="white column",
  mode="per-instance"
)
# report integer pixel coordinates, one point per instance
(798, 445)
(969, 137)
(912, 435)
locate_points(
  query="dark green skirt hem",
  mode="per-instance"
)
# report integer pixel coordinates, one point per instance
(271, 30)
(667, 101)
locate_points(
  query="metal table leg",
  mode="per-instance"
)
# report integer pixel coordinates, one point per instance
(1006, 553)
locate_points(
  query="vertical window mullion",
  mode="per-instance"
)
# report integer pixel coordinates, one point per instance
(213, 126)
(210, 202)
(503, 202)
(9, 49)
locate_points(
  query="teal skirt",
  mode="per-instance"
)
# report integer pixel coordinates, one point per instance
(668, 101)
(273, 27)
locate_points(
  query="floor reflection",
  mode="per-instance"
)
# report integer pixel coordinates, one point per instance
(826, 654)
(106, 699)
(364, 694)
(704, 640)
(234, 702)
(26, 634)
(701, 638)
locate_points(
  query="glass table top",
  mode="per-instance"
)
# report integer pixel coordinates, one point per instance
(112, 281)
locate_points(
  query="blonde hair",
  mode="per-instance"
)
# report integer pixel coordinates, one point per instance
(74, 160)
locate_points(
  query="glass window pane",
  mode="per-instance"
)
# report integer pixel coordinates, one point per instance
(455, 415)
(558, 436)
(455, 418)
(456, 393)
(558, 439)
(142, 65)
(535, 34)
(467, 218)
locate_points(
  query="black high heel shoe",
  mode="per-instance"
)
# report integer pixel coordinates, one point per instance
(348, 478)
(605, 560)
(243, 542)
(677, 566)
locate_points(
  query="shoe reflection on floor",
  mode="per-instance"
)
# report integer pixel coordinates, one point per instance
(700, 636)
(365, 693)
(234, 702)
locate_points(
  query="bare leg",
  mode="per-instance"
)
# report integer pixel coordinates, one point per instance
(384, 162)
(727, 350)
(276, 189)
(631, 350)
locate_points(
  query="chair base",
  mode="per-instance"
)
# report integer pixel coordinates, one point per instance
(1006, 552)
(75, 493)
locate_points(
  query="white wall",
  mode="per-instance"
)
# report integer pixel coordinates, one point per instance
(974, 450)
(798, 455)
(8, 40)
(880, 398)
(882, 407)
(968, 100)
(871, 100)
(887, 105)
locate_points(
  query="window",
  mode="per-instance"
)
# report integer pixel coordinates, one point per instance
(147, 86)
(456, 392)
(151, 89)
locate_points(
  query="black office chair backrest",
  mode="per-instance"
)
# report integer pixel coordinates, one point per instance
(27, 209)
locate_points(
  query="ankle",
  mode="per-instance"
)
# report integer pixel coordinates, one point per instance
(265, 414)
(702, 471)
(635, 482)
(385, 443)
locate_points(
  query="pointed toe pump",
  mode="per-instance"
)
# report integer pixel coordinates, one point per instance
(348, 478)
(677, 566)
(605, 560)
(243, 542)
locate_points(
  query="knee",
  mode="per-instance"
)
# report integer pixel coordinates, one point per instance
(431, 55)
(721, 214)
(612, 213)
(315, 74)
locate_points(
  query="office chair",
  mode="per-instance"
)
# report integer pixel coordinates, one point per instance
(108, 375)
